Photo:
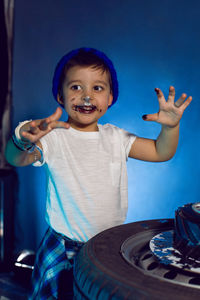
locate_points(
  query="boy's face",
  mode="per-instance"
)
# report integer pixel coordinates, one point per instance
(81, 82)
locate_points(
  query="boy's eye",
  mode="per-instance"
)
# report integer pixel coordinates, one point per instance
(75, 87)
(98, 88)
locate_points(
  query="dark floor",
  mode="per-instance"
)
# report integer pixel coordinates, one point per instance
(14, 286)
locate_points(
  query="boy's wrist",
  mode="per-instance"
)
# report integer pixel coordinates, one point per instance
(167, 127)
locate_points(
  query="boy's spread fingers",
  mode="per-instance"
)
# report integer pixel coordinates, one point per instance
(171, 94)
(33, 138)
(56, 115)
(186, 103)
(181, 100)
(59, 124)
(33, 130)
(150, 117)
(43, 125)
(161, 98)
(28, 136)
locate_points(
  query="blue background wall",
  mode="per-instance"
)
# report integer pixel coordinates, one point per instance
(153, 44)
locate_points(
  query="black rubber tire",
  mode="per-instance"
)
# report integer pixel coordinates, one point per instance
(101, 273)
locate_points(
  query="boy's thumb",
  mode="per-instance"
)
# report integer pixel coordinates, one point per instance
(150, 117)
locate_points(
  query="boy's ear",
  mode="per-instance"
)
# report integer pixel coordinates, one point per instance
(110, 100)
(60, 99)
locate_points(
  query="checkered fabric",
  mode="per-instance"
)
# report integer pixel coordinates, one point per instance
(54, 256)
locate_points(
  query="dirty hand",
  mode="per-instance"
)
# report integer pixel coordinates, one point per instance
(170, 112)
(34, 130)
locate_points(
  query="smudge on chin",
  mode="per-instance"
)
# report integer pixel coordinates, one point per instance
(73, 99)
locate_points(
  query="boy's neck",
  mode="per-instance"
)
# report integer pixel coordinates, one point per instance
(83, 127)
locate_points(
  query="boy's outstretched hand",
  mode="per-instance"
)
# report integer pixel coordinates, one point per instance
(170, 112)
(34, 130)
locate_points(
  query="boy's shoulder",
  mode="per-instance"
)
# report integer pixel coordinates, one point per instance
(110, 128)
(114, 131)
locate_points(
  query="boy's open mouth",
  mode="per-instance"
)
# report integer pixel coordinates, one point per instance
(85, 109)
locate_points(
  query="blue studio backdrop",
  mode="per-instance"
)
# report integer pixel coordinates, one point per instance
(152, 44)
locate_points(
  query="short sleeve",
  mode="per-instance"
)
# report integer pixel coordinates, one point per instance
(122, 138)
(128, 139)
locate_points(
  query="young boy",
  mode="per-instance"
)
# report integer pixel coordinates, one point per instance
(85, 162)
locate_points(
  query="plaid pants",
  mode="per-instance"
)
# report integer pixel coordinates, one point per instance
(52, 276)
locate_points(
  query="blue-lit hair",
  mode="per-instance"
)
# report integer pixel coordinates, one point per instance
(89, 56)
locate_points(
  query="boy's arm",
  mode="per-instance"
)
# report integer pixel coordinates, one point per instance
(19, 158)
(169, 115)
(31, 133)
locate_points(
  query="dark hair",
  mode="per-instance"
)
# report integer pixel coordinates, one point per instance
(85, 57)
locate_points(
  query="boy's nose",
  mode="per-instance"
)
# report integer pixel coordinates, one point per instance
(86, 100)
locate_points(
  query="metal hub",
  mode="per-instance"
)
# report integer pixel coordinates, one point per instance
(135, 250)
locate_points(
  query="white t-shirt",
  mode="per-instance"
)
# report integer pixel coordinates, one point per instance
(87, 190)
